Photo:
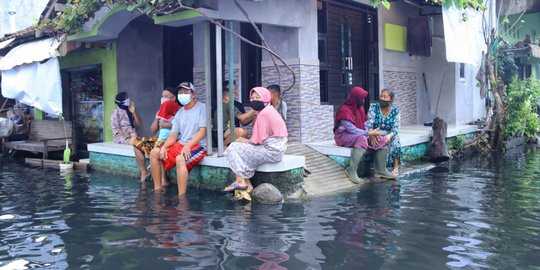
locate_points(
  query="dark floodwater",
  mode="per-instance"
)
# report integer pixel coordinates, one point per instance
(480, 213)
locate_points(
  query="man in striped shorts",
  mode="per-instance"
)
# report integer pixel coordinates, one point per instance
(186, 145)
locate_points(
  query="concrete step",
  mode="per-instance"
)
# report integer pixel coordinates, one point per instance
(326, 175)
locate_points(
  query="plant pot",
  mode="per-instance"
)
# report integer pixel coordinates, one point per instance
(66, 166)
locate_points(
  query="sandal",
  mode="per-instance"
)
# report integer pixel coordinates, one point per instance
(233, 187)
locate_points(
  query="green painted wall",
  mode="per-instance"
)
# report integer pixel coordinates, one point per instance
(107, 59)
(531, 27)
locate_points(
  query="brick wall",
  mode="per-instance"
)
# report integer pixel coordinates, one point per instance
(404, 86)
(307, 119)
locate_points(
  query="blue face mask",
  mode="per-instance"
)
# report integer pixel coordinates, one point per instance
(184, 99)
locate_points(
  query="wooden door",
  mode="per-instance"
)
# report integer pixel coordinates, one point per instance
(348, 48)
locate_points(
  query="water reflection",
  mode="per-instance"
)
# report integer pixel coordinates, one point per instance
(473, 214)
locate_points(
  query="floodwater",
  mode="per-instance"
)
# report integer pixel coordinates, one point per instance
(476, 213)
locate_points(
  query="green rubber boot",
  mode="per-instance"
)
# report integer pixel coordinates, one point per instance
(380, 165)
(356, 157)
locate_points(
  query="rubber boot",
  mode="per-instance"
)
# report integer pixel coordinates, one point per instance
(380, 165)
(356, 157)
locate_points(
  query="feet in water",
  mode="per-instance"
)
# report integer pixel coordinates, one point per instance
(235, 186)
(164, 181)
(144, 177)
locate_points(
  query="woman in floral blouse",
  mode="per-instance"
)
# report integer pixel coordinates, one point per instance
(385, 117)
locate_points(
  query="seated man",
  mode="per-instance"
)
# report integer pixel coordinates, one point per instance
(245, 118)
(187, 149)
(276, 101)
(238, 130)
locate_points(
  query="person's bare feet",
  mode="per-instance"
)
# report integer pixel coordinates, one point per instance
(395, 171)
(164, 181)
(144, 177)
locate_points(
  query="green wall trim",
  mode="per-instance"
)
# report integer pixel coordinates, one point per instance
(95, 28)
(38, 114)
(179, 16)
(107, 59)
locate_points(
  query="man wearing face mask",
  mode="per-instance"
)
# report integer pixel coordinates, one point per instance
(143, 145)
(186, 145)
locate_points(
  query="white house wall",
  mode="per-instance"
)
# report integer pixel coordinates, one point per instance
(397, 70)
(460, 101)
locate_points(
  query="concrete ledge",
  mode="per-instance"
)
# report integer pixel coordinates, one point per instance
(289, 162)
(410, 136)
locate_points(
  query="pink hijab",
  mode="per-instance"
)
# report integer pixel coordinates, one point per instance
(268, 122)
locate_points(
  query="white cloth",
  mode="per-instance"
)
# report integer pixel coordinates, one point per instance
(464, 39)
(35, 84)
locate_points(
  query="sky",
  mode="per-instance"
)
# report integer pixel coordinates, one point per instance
(26, 13)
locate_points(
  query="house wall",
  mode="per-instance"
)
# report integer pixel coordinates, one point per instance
(308, 120)
(140, 68)
(530, 27)
(107, 59)
(397, 70)
(458, 98)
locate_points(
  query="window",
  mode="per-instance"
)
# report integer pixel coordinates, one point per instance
(323, 84)
(322, 26)
(321, 17)
(462, 71)
(346, 54)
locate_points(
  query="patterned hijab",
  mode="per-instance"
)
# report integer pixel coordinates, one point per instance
(120, 98)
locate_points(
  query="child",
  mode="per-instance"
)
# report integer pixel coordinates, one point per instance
(166, 113)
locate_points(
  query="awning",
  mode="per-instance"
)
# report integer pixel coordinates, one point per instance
(31, 80)
(35, 51)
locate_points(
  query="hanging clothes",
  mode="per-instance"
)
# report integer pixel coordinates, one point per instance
(419, 36)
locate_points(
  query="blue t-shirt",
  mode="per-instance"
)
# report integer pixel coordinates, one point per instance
(164, 132)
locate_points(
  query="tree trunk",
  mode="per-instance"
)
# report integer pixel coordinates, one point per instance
(497, 120)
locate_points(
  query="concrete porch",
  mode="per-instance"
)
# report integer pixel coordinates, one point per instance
(414, 140)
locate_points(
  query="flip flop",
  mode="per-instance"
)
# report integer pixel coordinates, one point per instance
(233, 187)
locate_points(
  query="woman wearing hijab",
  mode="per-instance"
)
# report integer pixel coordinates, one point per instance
(267, 144)
(350, 131)
(124, 120)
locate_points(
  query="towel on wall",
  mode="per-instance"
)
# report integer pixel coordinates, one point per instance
(419, 36)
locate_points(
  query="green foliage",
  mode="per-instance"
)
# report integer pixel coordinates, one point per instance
(506, 64)
(476, 4)
(457, 142)
(521, 117)
(78, 12)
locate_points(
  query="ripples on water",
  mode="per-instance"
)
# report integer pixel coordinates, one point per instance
(479, 213)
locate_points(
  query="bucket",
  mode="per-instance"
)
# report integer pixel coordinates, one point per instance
(66, 166)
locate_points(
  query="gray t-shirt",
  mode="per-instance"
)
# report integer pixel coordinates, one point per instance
(188, 122)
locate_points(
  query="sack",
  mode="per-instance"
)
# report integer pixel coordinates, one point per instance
(439, 148)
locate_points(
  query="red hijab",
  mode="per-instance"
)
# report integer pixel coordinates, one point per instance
(350, 111)
(167, 110)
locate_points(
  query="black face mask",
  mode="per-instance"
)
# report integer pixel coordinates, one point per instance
(383, 103)
(257, 105)
(360, 103)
